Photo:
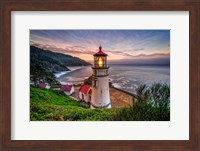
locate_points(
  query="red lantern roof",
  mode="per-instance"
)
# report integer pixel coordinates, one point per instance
(100, 52)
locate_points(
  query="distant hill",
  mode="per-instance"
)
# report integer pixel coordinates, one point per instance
(52, 61)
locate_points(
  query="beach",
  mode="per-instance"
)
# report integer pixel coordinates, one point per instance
(59, 76)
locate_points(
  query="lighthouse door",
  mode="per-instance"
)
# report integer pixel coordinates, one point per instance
(82, 97)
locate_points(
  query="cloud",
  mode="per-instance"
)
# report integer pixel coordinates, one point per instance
(77, 50)
(134, 49)
(153, 55)
(138, 49)
(117, 52)
(118, 44)
(66, 50)
(149, 61)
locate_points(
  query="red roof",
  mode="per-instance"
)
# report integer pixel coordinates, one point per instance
(66, 87)
(100, 52)
(84, 88)
(42, 85)
(90, 92)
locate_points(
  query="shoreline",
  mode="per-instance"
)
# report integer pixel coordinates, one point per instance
(58, 75)
(123, 78)
(79, 83)
(71, 68)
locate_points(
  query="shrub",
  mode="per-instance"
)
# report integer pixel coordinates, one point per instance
(153, 104)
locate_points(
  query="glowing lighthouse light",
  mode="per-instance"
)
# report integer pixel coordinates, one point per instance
(100, 62)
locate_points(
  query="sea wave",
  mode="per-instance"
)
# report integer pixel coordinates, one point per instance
(71, 68)
(116, 85)
(57, 75)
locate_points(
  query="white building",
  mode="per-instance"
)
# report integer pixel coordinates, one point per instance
(44, 86)
(68, 89)
(85, 92)
(100, 82)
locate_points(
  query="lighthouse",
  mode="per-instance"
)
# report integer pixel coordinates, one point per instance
(100, 84)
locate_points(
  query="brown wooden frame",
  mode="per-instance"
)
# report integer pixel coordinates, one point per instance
(193, 6)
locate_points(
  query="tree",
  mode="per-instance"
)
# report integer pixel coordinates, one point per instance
(50, 78)
(40, 74)
(36, 72)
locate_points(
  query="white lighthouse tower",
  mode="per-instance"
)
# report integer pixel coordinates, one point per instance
(100, 83)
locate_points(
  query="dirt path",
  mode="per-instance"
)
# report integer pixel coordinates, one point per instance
(120, 99)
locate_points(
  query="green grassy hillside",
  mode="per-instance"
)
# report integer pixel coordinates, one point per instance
(49, 105)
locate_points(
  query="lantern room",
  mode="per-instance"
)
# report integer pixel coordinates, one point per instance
(100, 59)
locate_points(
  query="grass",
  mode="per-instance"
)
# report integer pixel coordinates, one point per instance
(50, 105)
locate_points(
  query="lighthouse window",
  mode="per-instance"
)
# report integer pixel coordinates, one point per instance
(96, 61)
(94, 83)
(104, 61)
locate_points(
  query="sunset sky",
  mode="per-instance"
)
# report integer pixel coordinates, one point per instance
(122, 46)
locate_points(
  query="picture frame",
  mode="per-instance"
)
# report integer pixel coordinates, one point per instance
(7, 6)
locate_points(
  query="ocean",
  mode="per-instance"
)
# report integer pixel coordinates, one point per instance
(125, 77)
